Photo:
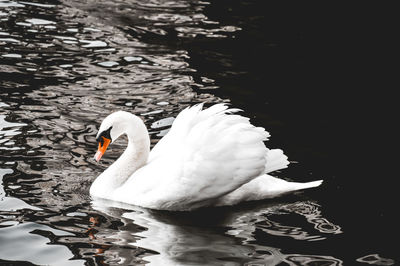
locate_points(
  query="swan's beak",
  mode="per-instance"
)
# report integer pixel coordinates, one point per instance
(102, 148)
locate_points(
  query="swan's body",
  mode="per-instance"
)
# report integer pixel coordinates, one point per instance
(209, 157)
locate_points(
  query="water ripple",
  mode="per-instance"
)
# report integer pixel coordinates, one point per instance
(62, 72)
(375, 259)
(13, 236)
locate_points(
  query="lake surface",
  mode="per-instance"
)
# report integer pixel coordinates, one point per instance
(66, 65)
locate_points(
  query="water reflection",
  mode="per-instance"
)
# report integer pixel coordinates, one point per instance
(222, 236)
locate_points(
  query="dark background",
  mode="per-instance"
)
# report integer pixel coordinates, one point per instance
(320, 77)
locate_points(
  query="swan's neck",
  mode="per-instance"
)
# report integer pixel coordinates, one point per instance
(133, 158)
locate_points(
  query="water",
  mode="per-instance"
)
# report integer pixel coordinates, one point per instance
(65, 65)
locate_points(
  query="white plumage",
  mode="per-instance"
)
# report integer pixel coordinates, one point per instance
(210, 157)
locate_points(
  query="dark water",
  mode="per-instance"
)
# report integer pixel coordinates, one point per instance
(304, 75)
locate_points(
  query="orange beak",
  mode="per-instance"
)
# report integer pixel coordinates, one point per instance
(102, 148)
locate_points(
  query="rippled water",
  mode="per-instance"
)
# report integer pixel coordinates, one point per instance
(65, 65)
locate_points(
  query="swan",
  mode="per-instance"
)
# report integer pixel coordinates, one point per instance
(210, 157)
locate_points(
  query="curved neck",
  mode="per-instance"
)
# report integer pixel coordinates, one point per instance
(138, 149)
(133, 158)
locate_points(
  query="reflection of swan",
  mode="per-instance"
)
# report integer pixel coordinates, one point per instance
(209, 157)
(173, 238)
(223, 236)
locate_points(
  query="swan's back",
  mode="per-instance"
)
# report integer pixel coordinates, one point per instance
(205, 155)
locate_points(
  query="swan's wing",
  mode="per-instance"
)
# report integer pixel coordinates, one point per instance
(206, 154)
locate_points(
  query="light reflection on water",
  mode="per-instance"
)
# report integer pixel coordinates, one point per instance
(66, 65)
(14, 236)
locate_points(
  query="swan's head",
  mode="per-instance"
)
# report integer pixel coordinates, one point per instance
(110, 129)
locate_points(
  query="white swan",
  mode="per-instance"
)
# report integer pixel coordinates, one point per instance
(210, 157)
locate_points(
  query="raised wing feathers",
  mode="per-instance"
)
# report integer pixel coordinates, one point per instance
(215, 150)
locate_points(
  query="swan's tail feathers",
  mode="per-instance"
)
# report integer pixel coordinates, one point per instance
(276, 160)
(264, 187)
(308, 184)
(271, 186)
